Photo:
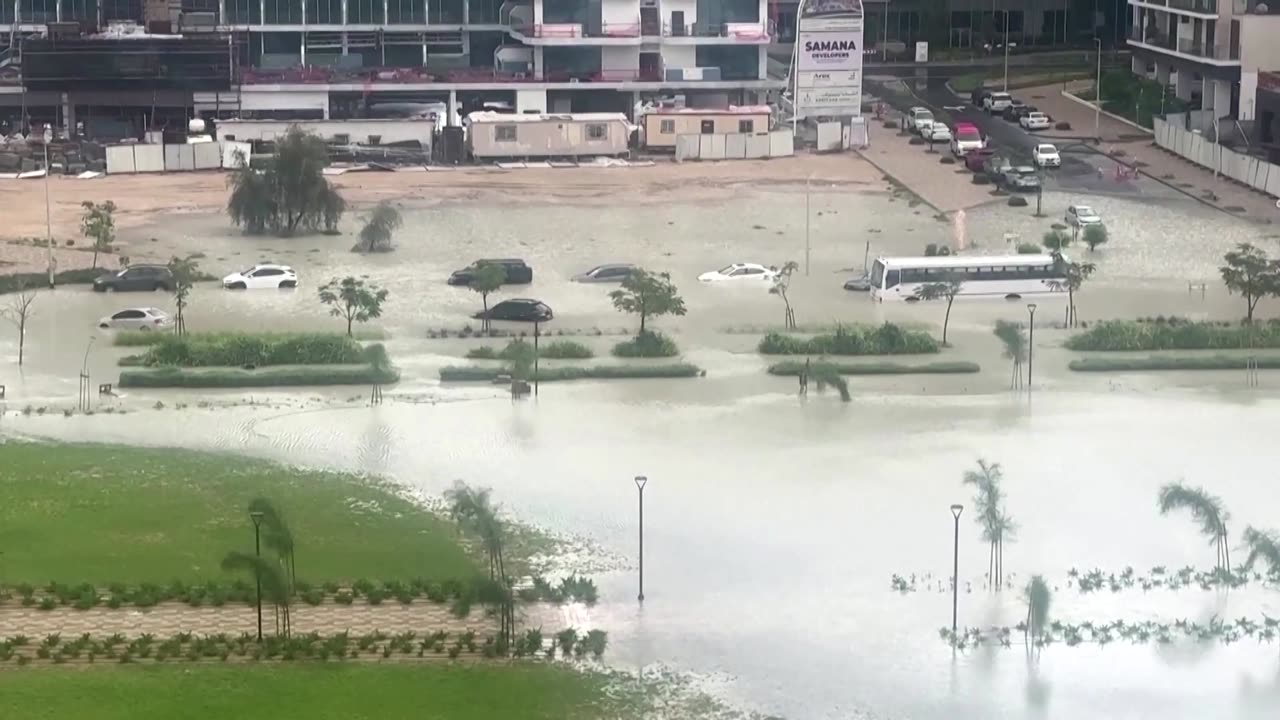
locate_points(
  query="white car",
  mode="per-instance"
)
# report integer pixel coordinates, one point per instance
(918, 119)
(937, 132)
(1046, 156)
(997, 102)
(145, 319)
(741, 272)
(1034, 121)
(262, 276)
(1081, 215)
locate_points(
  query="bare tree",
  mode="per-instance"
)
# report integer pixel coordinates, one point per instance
(18, 313)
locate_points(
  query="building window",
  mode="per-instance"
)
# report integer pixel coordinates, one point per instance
(504, 133)
(597, 131)
(708, 127)
(746, 126)
(667, 127)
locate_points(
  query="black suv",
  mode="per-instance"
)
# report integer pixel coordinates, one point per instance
(136, 277)
(519, 309)
(518, 272)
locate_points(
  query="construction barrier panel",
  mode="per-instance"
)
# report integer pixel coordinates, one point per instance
(208, 156)
(148, 158)
(735, 146)
(1254, 172)
(120, 159)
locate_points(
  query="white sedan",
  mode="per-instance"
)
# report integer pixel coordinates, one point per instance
(741, 272)
(1035, 121)
(937, 132)
(145, 319)
(1082, 215)
(262, 276)
(1046, 156)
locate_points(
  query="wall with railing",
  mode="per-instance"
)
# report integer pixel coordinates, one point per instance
(1170, 134)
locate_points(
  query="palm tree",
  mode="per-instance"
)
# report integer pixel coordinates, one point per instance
(1205, 509)
(276, 534)
(472, 509)
(825, 375)
(1038, 599)
(997, 525)
(1263, 545)
(1015, 348)
(781, 284)
(272, 576)
(1073, 276)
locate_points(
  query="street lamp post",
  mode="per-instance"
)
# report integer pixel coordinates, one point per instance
(48, 213)
(640, 483)
(1097, 96)
(955, 569)
(257, 551)
(807, 214)
(1031, 343)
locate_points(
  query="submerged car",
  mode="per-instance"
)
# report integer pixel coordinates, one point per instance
(145, 319)
(1022, 177)
(1081, 215)
(1034, 121)
(862, 283)
(937, 133)
(518, 309)
(918, 119)
(1046, 156)
(136, 277)
(605, 274)
(741, 272)
(975, 160)
(258, 277)
(518, 271)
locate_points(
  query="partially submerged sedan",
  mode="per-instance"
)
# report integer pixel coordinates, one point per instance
(519, 310)
(144, 319)
(741, 272)
(606, 273)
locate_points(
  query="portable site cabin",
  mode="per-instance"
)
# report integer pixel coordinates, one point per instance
(663, 125)
(492, 136)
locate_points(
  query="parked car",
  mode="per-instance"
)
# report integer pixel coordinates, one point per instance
(518, 309)
(1081, 215)
(1015, 110)
(1046, 156)
(976, 160)
(1035, 121)
(1021, 177)
(937, 133)
(996, 102)
(966, 137)
(741, 272)
(145, 319)
(862, 283)
(918, 119)
(518, 272)
(136, 277)
(996, 166)
(605, 274)
(979, 96)
(262, 276)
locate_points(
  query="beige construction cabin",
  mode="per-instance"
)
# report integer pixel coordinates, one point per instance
(663, 125)
(494, 136)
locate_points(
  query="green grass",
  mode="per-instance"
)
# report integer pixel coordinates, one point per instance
(554, 350)
(17, 281)
(1173, 334)
(272, 376)
(1157, 362)
(888, 339)
(101, 513)
(529, 691)
(647, 344)
(793, 368)
(258, 349)
(597, 372)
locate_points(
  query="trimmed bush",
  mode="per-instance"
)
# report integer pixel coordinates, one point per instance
(793, 368)
(598, 372)
(981, 179)
(1063, 125)
(916, 140)
(1157, 362)
(226, 377)
(554, 350)
(1029, 249)
(12, 283)
(648, 344)
(1017, 201)
(1173, 334)
(258, 350)
(888, 339)
(484, 352)
(947, 160)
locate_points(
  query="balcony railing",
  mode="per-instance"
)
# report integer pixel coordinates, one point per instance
(1209, 7)
(746, 32)
(1213, 52)
(573, 30)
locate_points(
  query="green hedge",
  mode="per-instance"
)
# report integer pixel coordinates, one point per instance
(1200, 362)
(17, 281)
(597, 372)
(1173, 334)
(888, 339)
(260, 350)
(226, 377)
(648, 344)
(554, 350)
(793, 368)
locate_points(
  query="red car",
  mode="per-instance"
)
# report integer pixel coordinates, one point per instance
(974, 159)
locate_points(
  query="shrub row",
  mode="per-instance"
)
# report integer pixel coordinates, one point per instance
(554, 350)
(258, 349)
(888, 339)
(18, 281)
(168, 377)
(1203, 362)
(793, 368)
(455, 373)
(1124, 335)
(648, 344)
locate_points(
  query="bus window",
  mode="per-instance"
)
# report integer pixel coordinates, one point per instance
(877, 274)
(892, 280)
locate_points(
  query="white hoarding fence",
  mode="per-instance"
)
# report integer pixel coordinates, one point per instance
(827, 72)
(735, 146)
(1251, 171)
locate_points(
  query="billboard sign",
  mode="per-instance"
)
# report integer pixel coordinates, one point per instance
(828, 67)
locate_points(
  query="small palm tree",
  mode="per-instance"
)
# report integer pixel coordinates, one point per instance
(1074, 275)
(472, 509)
(781, 284)
(997, 525)
(276, 534)
(1038, 598)
(826, 375)
(1205, 509)
(1263, 545)
(1015, 348)
(273, 577)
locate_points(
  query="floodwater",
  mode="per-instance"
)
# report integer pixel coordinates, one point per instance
(773, 524)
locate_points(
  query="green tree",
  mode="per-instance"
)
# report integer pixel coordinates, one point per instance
(946, 289)
(648, 295)
(353, 300)
(1055, 240)
(276, 534)
(1205, 509)
(781, 284)
(487, 278)
(1038, 599)
(1074, 275)
(473, 510)
(18, 313)
(1263, 545)
(290, 194)
(98, 223)
(274, 579)
(185, 273)
(1249, 272)
(1095, 235)
(997, 526)
(1015, 348)
(825, 375)
(379, 226)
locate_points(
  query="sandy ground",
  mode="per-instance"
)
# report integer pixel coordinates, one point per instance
(149, 199)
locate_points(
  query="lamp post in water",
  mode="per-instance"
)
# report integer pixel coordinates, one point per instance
(48, 213)
(257, 551)
(955, 570)
(1031, 343)
(640, 483)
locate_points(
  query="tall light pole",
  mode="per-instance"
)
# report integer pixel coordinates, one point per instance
(955, 570)
(640, 482)
(48, 213)
(1006, 49)
(257, 551)
(1097, 95)
(1031, 343)
(807, 204)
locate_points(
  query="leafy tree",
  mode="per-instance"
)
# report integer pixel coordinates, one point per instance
(1263, 545)
(185, 273)
(378, 228)
(947, 288)
(1095, 235)
(487, 278)
(353, 300)
(1038, 599)
(1205, 509)
(825, 375)
(18, 313)
(997, 526)
(1074, 275)
(291, 194)
(648, 295)
(1015, 348)
(1249, 272)
(274, 579)
(98, 222)
(781, 284)
(1055, 240)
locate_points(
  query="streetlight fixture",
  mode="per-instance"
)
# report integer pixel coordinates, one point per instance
(257, 551)
(1031, 343)
(1097, 95)
(955, 569)
(640, 483)
(48, 213)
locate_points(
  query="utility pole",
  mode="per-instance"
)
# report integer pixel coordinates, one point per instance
(48, 213)
(807, 214)
(1097, 96)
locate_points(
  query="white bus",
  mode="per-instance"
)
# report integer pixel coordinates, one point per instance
(997, 276)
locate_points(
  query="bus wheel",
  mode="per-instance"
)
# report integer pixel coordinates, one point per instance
(1013, 296)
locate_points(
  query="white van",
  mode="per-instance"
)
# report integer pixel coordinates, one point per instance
(997, 102)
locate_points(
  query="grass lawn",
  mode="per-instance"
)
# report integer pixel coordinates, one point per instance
(102, 513)
(316, 692)
(272, 376)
